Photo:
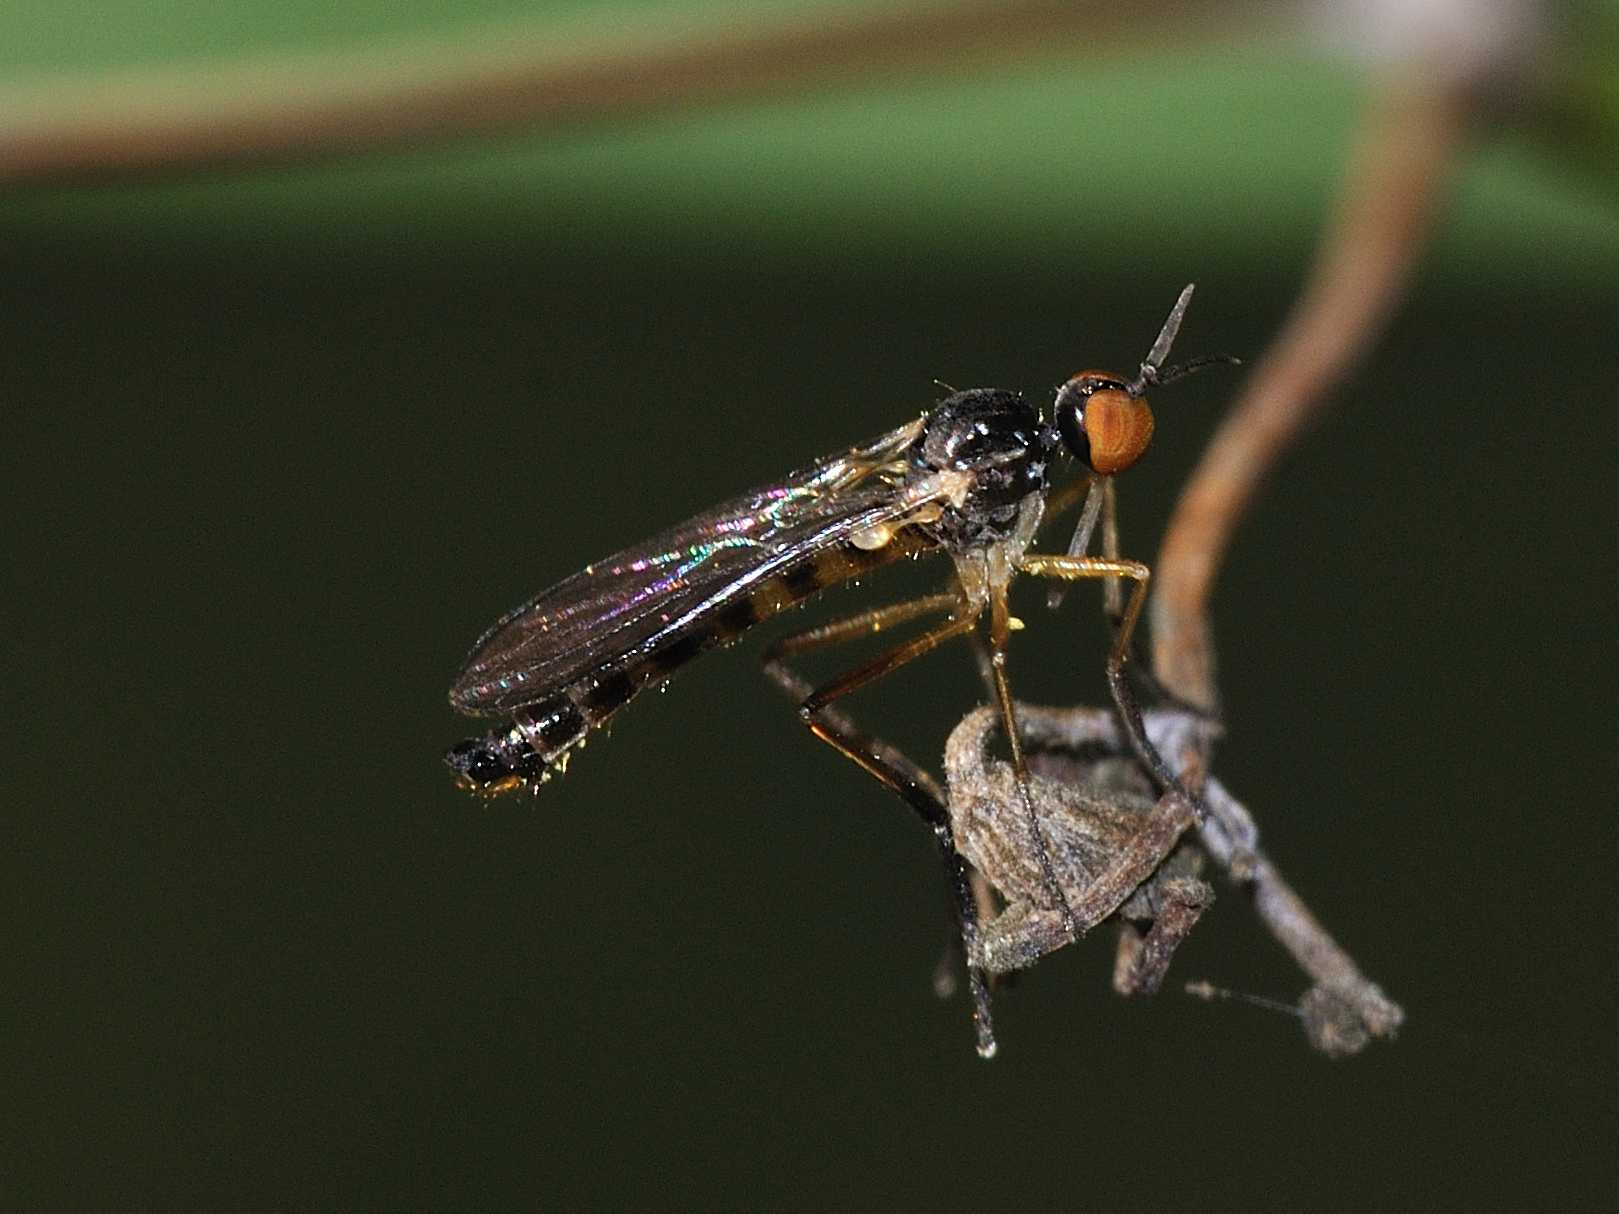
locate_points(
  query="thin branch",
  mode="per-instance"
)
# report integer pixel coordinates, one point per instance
(1394, 184)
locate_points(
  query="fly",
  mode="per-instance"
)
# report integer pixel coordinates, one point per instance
(971, 478)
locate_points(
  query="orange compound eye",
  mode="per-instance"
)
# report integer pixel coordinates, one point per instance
(1119, 427)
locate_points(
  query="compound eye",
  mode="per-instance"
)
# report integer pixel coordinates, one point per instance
(1101, 423)
(1118, 427)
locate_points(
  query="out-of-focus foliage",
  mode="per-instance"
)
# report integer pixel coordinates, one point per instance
(1230, 151)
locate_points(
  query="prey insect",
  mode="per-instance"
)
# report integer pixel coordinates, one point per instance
(1118, 851)
(970, 478)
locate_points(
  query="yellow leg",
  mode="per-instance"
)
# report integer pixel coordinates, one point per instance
(866, 623)
(1081, 568)
(887, 663)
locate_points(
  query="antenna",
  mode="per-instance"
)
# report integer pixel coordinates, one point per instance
(1150, 375)
(1210, 993)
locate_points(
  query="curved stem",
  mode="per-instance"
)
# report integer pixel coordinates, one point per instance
(1394, 185)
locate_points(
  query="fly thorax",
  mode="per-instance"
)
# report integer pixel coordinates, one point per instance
(998, 440)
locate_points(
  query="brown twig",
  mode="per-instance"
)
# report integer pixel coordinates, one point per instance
(1346, 1007)
(1394, 183)
(529, 79)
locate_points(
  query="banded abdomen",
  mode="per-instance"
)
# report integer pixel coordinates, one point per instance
(541, 736)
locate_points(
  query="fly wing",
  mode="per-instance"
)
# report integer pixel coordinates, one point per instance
(638, 597)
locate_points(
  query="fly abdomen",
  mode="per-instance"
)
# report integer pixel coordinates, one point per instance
(552, 728)
(602, 693)
(542, 736)
(524, 754)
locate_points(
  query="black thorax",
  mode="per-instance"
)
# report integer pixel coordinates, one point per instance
(1000, 439)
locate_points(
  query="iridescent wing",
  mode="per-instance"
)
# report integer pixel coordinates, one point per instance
(637, 599)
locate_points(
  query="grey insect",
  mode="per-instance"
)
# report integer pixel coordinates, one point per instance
(1117, 850)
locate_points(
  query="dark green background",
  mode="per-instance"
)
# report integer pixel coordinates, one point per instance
(279, 444)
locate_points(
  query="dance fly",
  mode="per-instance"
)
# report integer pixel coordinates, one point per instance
(969, 478)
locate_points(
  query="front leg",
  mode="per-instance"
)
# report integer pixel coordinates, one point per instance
(1078, 568)
(1018, 937)
(1141, 962)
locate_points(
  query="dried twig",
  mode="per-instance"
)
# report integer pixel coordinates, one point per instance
(1344, 1009)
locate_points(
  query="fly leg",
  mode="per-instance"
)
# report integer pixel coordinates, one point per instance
(1000, 633)
(890, 765)
(866, 623)
(1113, 606)
(962, 620)
(1077, 568)
(1102, 506)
